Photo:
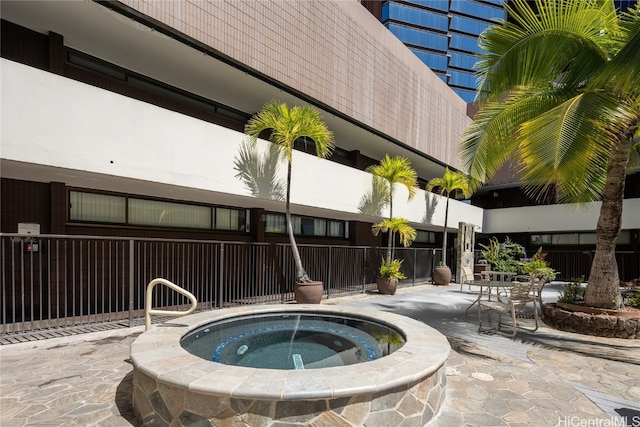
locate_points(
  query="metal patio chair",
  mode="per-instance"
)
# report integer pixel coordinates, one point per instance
(468, 277)
(511, 302)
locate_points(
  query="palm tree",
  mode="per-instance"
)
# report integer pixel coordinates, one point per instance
(446, 185)
(396, 226)
(391, 171)
(286, 125)
(560, 94)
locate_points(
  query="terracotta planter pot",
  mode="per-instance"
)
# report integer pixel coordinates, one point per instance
(387, 286)
(442, 275)
(308, 292)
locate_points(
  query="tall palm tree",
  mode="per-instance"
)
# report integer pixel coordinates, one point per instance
(286, 125)
(560, 93)
(446, 185)
(391, 171)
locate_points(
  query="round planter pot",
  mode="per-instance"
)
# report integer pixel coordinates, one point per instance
(593, 310)
(308, 292)
(442, 275)
(590, 321)
(387, 286)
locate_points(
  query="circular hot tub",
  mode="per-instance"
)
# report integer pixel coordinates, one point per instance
(290, 365)
(293, 340)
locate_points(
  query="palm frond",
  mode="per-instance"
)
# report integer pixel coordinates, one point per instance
(490, 140)
(396, 170)
(449, 183)
(563, 43)
(622, 73)
(286, 125)
(569, 146)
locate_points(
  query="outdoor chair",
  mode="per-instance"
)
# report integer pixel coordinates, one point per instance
(468, 277)
(510, 302)
(539, 280)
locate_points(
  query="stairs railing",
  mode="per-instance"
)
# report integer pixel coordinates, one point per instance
(148, 311)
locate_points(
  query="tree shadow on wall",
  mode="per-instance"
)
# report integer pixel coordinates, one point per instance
(374, 200)
(259, 172)
(431, 202)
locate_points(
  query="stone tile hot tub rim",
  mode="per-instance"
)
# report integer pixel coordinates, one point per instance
(376, 376)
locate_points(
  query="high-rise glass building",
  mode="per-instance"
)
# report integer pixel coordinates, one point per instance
(443, 34)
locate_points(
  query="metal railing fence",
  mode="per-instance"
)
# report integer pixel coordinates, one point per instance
(573, 264)
(54, 282)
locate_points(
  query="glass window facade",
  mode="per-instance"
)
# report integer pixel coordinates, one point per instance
(85, 206)
(417, 37)
(624, 238)
(93, 207)
(465, 61)
(438, 61)
(478, 10)
(444, 35)
(167, 214)
(306, 226)
(414, 16)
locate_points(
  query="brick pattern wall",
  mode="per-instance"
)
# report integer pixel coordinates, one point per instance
(333, 51)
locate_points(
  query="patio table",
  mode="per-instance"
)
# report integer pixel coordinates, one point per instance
(486, 289)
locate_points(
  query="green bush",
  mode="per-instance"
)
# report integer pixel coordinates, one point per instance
(538, 262)
(509, 256)
(505, 256)
(392, 270)
(573, 292)
(633, 299)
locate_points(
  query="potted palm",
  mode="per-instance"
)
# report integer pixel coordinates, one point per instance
(286, 125)
(446, 185)
(389, 172)
(389, 272)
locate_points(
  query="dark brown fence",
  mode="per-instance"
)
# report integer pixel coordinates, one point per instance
(63, 282)
(57, 282)
(576, 264)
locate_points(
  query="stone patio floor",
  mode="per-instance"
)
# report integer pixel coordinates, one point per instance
(544, 378)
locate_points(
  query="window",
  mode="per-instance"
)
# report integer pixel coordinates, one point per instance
(230, 219)
(306, 226)
(435, 61)
(416, 37)
(311, 227)
(167, 214)
(464, 43)
(575, 239)
(336, 229)
(92, 207)
(425, 236)
(114, 209)
(275, 223)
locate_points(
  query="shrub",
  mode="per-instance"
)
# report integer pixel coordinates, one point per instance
(633, 299)
(573, 292)
(538, 262)
(505, 256)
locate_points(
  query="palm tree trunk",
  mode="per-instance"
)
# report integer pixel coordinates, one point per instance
(604, 281)
(390, 236)
(444, 233)
(301, 274)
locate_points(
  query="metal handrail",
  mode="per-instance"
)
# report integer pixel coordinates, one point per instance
(147, 306)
